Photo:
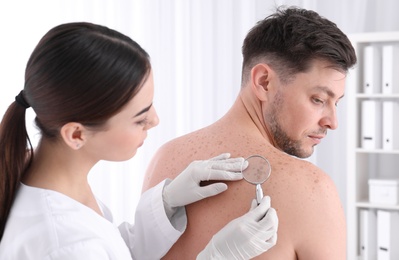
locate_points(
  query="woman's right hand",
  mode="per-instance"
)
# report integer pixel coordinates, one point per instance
(247, 236)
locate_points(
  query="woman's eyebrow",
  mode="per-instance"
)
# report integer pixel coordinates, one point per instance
(143, 111)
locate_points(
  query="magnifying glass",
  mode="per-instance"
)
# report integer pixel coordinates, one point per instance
(257, 172)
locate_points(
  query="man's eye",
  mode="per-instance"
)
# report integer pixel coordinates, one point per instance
(317, 100)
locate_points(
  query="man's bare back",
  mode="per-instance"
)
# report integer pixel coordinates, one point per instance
(311, 218)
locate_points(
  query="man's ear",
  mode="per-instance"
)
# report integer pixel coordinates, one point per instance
(260, 80)
(73, 135)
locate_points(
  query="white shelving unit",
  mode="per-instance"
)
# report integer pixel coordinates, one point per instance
(364, 164)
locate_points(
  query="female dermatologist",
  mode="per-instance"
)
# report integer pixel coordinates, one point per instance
(91, 89)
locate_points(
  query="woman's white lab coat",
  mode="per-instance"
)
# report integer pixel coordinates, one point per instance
(45, 224)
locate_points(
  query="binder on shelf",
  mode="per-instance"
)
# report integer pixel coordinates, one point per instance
(390, 69)
(372, 69)
(368, 234)
(390, 124)
(371, 128)
(387, 235)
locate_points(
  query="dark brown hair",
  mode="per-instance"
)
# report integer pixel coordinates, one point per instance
(291, 38)
(78, 72)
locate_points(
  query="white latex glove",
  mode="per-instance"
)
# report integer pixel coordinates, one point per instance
(186, 189)
(245, 237)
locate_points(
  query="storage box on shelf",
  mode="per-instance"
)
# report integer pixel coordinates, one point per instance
(372, 94)
(383, 191)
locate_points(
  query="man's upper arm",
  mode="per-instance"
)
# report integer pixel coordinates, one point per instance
(324, 227)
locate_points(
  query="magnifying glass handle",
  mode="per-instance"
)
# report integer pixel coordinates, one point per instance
(259, 193)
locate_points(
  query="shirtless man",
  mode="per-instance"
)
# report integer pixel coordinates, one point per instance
(293, 77)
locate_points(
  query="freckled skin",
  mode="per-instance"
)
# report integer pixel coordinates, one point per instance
(311, 218)
(289, 185)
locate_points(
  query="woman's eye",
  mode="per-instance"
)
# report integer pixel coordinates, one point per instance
(143, 122)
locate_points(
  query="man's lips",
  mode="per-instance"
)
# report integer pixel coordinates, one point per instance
(316, 138)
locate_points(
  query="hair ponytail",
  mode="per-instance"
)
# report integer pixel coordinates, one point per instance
(78, 72)
(14, 157)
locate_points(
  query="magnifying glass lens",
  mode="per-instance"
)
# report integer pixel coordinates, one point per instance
(257, 171)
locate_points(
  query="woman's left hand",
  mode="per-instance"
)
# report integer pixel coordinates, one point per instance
(186, 189)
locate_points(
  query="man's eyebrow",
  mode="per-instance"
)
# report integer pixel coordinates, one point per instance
(143, 111)
(328, 91)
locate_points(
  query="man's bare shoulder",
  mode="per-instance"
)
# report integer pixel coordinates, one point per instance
(311, 189)
(170, 159)
(312, 178)
(313, 212)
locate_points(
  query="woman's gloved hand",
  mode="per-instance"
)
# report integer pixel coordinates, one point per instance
(186, 189)
(245, 237)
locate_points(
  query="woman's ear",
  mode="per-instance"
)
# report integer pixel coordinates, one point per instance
(73, 135)
(260, 80)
